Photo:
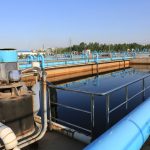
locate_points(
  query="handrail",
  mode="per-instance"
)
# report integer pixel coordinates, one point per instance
(103, 93)
(73, 108)
(120, 87)
(107, 94)
(90, 112)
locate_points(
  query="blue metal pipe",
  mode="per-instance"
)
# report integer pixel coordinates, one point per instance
(95, 57)
(86, 57)
(30, 58)
(128, 134)
(41, 58)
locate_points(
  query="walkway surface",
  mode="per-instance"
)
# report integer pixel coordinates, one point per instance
(56, 141)
(146, 145)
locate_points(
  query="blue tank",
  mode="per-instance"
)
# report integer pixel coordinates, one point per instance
(8, 55)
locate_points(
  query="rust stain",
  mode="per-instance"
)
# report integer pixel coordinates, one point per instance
(64, 72)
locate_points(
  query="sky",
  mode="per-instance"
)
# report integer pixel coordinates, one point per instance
(28, 24)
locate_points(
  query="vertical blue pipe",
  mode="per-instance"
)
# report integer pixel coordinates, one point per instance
(86, 56)
(95, 57)
(41, 59)
(30, 58)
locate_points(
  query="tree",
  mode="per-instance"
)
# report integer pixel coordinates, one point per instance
(82, 46)
(104, 47)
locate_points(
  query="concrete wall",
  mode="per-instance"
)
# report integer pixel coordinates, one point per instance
(144, 61)
(64, 73)
(57, 74)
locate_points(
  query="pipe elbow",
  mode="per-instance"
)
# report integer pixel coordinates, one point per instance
(41, 58)
(30, 58)
(8, 137)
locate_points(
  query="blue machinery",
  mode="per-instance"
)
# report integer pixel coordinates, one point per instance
(31, 58)
(8, 55)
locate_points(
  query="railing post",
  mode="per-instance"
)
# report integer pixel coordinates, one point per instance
(143, 88)
(49, 109)
(126, 90)
(107, 109)
(124, 64)
(92, 114)
(97, 67)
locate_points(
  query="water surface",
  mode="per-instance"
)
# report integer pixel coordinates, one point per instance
(99, 84)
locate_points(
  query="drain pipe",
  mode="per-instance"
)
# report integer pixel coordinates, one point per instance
(43, 129)
(71, 133)
(8, 137)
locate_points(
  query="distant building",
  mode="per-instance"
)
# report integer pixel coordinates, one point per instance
(26, 52)
(87, 51)
(51, 51)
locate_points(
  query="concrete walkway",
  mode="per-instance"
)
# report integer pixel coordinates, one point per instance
(56, 141)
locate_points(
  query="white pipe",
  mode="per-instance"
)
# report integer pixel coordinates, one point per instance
(43, 130)
(8, 137)
(71, 133)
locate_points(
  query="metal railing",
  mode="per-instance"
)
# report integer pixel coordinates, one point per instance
(90, 112)
(63, 60)
(107, 100)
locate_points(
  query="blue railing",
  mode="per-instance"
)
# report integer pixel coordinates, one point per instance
(60, 60)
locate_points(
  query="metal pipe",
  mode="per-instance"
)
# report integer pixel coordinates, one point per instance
(126, 90)
(30, 58)
(73, 125)
(143, 86)
(129, 99)
(115, 89)
(41, 59)
(69, 107)
(43, 130)
(49, 111)
(92, 114)
(132, 129)
(71, 133)
(95, 57)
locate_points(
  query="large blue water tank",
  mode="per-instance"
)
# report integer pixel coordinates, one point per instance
(8, 55)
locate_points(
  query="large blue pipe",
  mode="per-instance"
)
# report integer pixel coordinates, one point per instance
(128, 134)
